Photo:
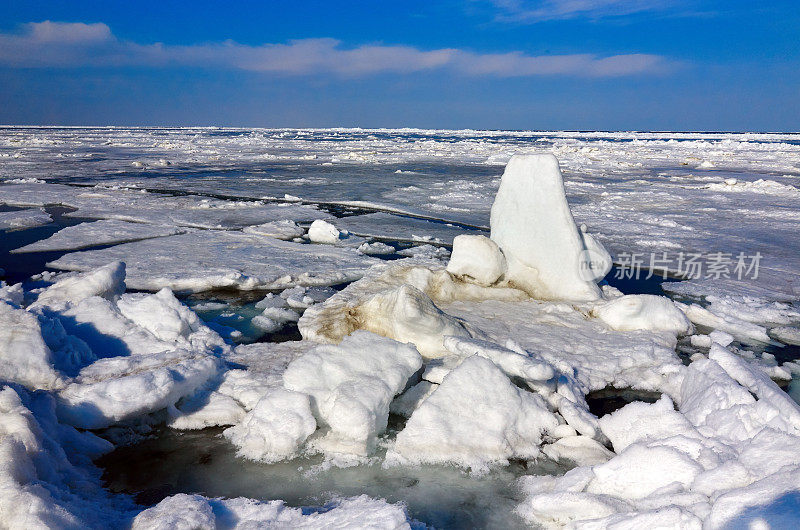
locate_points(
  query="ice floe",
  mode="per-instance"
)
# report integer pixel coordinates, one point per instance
(103, 232)
(200, 261)
(19, 219)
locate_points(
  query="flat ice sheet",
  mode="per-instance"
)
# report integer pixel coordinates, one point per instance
(142, 207)
(103, 232)
(28, 218)
(209, 259)
(399, 227)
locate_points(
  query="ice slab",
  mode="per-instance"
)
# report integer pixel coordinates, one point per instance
(24, 219)
(533, 226)
(477, 259)
(586, 349)
(382, 288)
(400, 228)
(119, 388)
(197, 512)
(25, 358)
(275, 428)
(143, 207)
(205, 260)
(103, 232)
(632, 312)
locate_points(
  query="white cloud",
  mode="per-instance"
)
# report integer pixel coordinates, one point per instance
(542, 10)
(65, 45)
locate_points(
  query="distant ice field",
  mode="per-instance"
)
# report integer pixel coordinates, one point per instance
(640, 192)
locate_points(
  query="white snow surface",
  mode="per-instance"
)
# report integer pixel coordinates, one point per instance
(708, 462)
(643, 311)
(197, 512)
(477, 259)
(323, 232)
(276, 427)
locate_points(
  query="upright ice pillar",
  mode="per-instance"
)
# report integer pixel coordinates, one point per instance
(532, 224)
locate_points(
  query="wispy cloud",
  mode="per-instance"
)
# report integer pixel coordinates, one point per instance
(66, 45)
(529, 11)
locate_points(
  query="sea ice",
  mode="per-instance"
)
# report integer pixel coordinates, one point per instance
(376, 248)
(476, 259)
(323, 232)
(351, 386)
(25, 358)
(24, 219)
(197, 512)
(406, 314)
(104, 232)
(399, 227)
(140, 206)
(340, 314)
(533, 226)
(643, 311)
(204, 260)
(475, 418)
(286, 230)
(275, 428)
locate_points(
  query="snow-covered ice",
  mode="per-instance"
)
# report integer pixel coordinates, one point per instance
(323, 232)
(104, 232)
(532, 224)
(474, 418)
(490, 358)
(28, 218)
(351, 386)
(477, 259)
(203, 260)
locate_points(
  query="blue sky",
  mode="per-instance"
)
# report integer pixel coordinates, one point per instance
(499, 64)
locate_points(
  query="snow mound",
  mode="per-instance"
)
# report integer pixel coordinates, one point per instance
(476, 259)
(644, 311)
(46, 480)
(351, 386)
(526, 366)
(120, 388)
(25, 358)
(727, 455)
(475, 418)
(532, 224)
(106, 281)
(406, 314)
(392, 289)
(323, 232)
(205, 409)
(275, 428)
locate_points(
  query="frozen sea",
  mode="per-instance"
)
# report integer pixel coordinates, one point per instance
(220, 218)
